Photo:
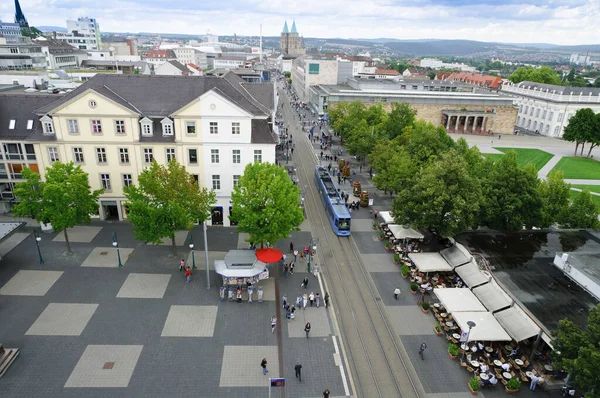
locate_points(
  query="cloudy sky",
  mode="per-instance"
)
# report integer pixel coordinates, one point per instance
(518, 21)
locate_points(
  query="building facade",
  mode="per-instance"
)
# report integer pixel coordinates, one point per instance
(546, 108)
(188, 55)
(159, 57)
(114, 126)
(172, 68)
(61, 55)
(88, 27)
(310, 71)
(290, 41)
(21, 56)
(11, 32)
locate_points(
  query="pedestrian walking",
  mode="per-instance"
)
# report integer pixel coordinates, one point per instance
(326, 299)
(188, 274)
(295, 255)
(263, 365)
(286, 269)
(291, 247)
(316, 270)
(305, 282)
(284, 300)
(284, 258)
(307, 329)
(299, 301)
(311, 297)
(534, 382)
(304, 301)
(422, 350)
(317, 299)
(326, 393)
(298, 369)
(292, 265)
(396, 292)
(181, 265)
(273, 323)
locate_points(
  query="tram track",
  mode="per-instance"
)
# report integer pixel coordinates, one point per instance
(376, 358)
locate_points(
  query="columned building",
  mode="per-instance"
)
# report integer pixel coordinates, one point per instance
(114, 126)
(546, 108)
(467, 122)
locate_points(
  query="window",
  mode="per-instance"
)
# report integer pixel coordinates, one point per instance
(29, 124)
(214, 127)
(78, 154)
(193, 155)
(526, 109)
(148, 155)
(235, 128)
(146, 127)
(547, 129)
(550, 116)
(190, 127)
(101, 155)
(544, 114)
(97, 126)
(556, 130)
(258, 155)
(170, 154)
(127, 180)
(123, 155)
(518, 120)
(53, 154)
(48, 127)
(167, 126)
(531, 111)
(236, 180)
(560, 117)
(237, 156)
(105, 181)
(195, 176)
(216, 182)
(535, 125)
(537, 112)
(11, 124)
(214, 156)
(120, 126)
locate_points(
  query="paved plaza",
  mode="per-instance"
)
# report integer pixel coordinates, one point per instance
(86, 327)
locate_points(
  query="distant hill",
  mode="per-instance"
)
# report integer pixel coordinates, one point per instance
(441, 47)
(51, 28)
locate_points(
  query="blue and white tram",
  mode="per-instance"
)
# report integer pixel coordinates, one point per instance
(336, 210)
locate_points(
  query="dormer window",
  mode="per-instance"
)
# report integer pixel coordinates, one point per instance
(47, 125)
(11, 124)
(167, 126)
(29, 124)
(146, 125)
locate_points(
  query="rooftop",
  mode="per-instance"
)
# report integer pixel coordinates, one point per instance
(523, 263)
(559, 89)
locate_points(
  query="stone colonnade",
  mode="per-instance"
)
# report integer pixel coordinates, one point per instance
(467, 123)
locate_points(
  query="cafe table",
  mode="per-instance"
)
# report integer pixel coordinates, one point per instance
(464, 347)
(497, 362)
(443, 315)
(489, 349)
(484, 376)
(475, 364)
(529, 373)
(549, 368)
(507, 375)
(508, 347)
(437, 305)
(449, 323)
(456, 336)
(519, 362)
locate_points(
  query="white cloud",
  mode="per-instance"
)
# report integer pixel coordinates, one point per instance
(560, 22)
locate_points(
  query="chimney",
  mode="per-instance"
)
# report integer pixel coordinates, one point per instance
(234, 38)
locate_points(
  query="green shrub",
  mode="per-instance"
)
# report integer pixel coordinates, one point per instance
(425, 305)
(513, 384)
(404, 269)
(452, 349)
(474, 383)
(414, 287)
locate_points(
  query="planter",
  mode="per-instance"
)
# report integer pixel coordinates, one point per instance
(438, 333)
(511, 391)
(473, 392)
(453, 357)
(381, 238)
(388, 248)
(425, 311)
(404, 276)
(413, 291)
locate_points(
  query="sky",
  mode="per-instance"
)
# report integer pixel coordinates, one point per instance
(511, 21)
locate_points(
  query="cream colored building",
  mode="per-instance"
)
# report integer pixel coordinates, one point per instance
(310, 71)
(114, 126)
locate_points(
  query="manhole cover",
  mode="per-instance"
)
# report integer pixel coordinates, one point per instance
(108, 365)
(103, 253)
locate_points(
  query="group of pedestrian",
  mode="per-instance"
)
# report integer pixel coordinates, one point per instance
(187, 269)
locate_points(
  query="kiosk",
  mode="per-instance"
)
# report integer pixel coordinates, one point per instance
(240, 269)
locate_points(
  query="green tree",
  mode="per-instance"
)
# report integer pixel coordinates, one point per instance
(543, 74)
(584, 126)
(511, 196)
(571, 76)
(597, 82)
(287, 74)
(64, 199)
(554, 193)
(166, 200)
(361, 140)
(400, 117)
(476, 163)
(31, 32)
(427, 142)
(266, 203)
(393, 166)
(443, 197)
(582, 213)
(578, 351)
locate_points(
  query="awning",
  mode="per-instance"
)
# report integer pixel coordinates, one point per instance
(400, 232)
(471, 274)
(517, 323)
(429, 262)
(386, 217)
(487, 327)
(492, 296)
(459, 300)
(456, 255)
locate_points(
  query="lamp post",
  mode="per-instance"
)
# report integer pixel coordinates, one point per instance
(206, 256)
(471, 326)
(192, 247)
(116, 244)
(38, 238)
(312, 248)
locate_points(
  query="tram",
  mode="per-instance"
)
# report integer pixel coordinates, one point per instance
(336, 210)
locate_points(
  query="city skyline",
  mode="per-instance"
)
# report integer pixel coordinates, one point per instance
(555, 21)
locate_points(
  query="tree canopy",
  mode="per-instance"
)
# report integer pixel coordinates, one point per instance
(554, 193)
(582, 212)
(167, 199)
(266, 203)
(542, 74)
(577, 351)
(64, 199)
(583, 127)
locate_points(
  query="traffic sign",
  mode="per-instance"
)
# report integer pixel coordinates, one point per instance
(277, 382)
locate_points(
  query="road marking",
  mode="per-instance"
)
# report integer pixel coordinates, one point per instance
(344, 381)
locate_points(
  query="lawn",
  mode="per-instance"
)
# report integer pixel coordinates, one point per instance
(591, 188)
(579, 168)
(595, 198)
(525, 156)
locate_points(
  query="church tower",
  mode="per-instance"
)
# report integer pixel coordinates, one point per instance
(290, 42)
(19, 16)
(283, 40)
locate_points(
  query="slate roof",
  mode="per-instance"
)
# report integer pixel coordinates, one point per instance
(159, 96)
(21, 108)
(262, 133)
(179, 66)
(263, 92)
(58, 47)
(561, 89)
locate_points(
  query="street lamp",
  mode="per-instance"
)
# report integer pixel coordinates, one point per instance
(38, 238)
(471, 326)
(116, 244)
(312, 248)
(192, 247)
